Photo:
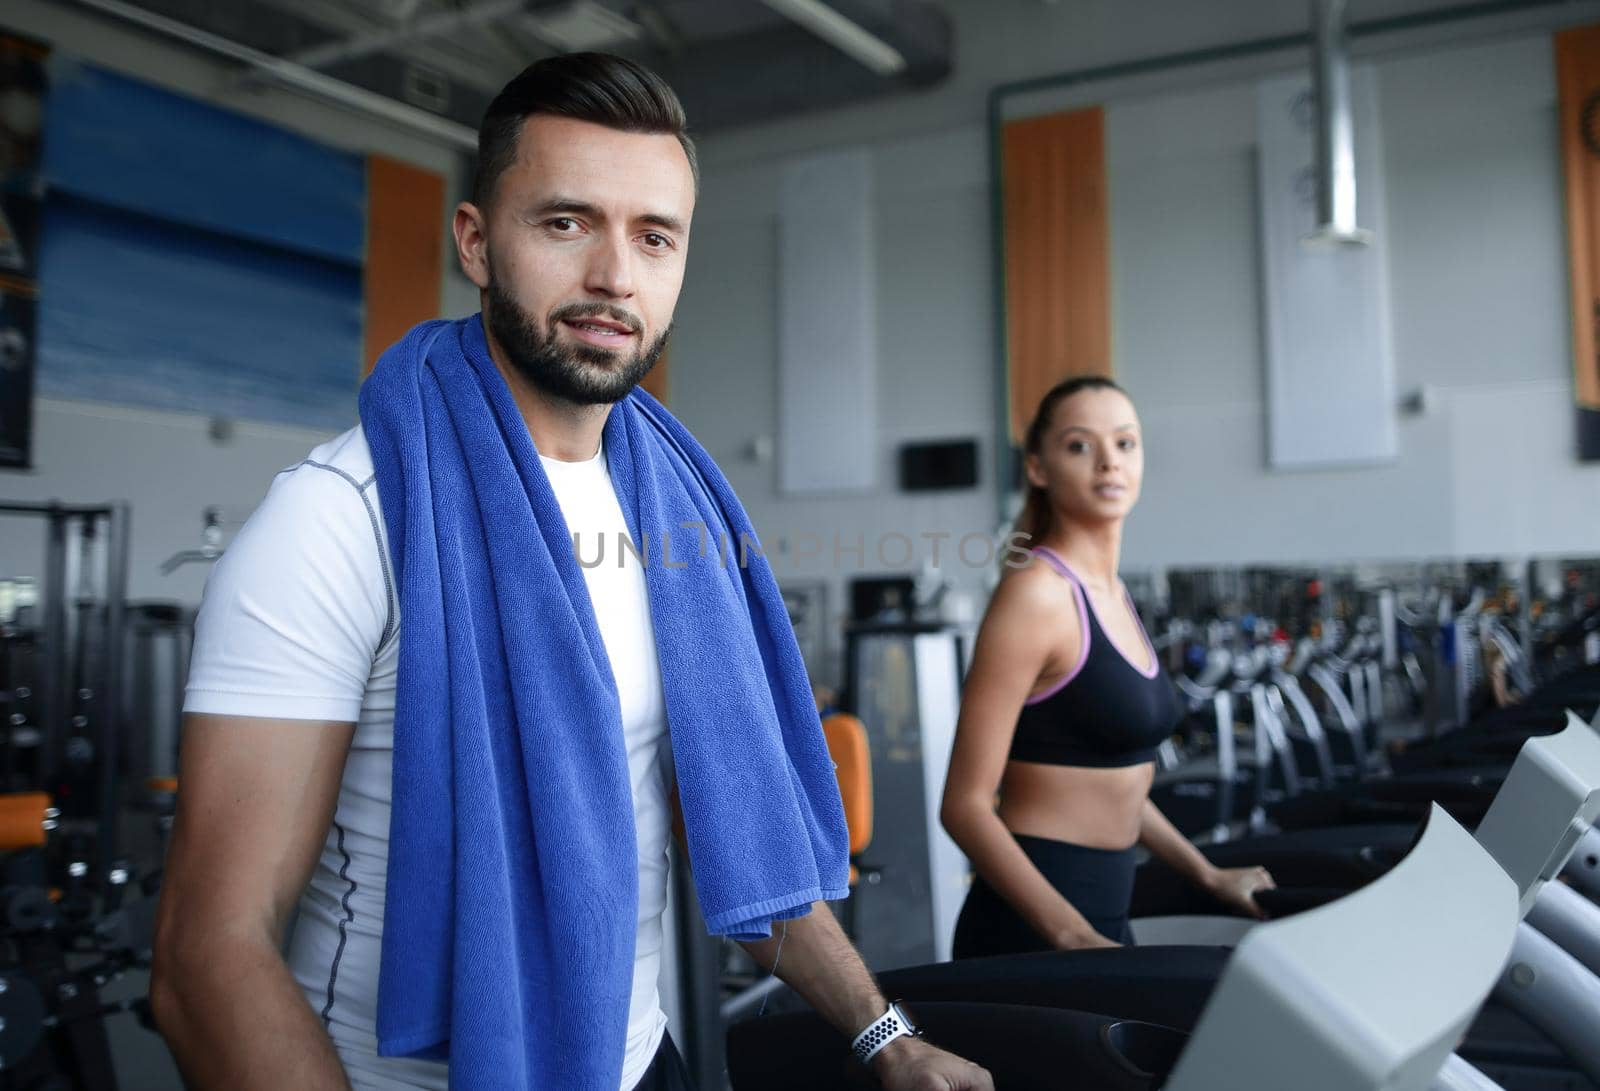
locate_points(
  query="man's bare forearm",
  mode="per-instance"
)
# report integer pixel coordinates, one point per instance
(818, 962)
(234, 1018)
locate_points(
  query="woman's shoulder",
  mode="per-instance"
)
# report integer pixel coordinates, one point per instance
(1032, 592)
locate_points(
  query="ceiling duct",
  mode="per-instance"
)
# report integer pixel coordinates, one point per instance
(845, 35)
(1335, 143)
(295, 76)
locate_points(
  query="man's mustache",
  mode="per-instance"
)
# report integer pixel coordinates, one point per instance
(576, 312)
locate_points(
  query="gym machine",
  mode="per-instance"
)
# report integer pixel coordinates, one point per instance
(73, 916)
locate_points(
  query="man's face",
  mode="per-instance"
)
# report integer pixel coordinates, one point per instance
(582, 255)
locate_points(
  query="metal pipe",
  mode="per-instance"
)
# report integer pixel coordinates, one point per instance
(1335, 144)
(849, 38)
(110, 719)
(1571, 920)
(1583, 866)
(1227, 765)
(364, 45)
(295, 76)
(1553, 991)
(1255, 47)
(51, 508)
(54, 602)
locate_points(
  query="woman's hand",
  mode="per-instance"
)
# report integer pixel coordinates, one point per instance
(1235, 887)
(1081, 940)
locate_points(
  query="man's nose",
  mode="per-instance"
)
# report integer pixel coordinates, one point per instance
(610, 271)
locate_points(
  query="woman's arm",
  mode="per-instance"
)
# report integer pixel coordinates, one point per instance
(1032, 619)
(1233, 887)
(1169, 846)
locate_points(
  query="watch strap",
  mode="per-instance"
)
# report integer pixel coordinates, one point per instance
(889, 1026)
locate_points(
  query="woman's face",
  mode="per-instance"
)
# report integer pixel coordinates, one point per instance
(1091, 462)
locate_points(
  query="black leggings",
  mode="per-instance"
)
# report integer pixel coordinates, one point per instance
(1098, 883)
(667, 1072)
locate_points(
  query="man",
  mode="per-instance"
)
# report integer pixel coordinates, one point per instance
(304, 683)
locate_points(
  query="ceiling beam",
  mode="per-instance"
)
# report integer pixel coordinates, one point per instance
(295, 76)
(849, 37)
(440, 56)
(366, 43)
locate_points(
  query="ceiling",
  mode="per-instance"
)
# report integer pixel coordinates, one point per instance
(732, 62)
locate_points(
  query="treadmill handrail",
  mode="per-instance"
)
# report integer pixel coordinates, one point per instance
(1549, 800)
(1372, 991)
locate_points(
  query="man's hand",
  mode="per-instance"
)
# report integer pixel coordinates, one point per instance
(1235, 887)
(911, 1064)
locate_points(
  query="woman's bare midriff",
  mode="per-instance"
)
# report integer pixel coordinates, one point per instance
(1098, 808)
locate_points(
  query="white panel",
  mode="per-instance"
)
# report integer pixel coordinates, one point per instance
(827, 325)
(938, 703)
(1330, 361)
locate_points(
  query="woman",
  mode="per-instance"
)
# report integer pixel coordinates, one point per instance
(1064, 706)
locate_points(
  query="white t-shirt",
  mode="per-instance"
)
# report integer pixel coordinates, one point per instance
(300, 621)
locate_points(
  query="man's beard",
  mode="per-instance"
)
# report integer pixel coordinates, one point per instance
(582, 374)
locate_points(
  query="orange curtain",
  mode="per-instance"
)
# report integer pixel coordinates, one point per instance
(1578, 77)
(405, 257)
(1057, 255)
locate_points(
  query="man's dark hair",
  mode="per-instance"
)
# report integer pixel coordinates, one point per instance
(596, 87)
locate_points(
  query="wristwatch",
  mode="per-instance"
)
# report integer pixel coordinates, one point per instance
(895, 1023)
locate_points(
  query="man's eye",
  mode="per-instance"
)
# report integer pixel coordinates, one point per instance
(657, 241)
(562, 223)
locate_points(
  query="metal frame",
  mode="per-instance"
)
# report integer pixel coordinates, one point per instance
(53, 602)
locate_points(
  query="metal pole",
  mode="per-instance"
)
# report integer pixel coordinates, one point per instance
(704, 1052)
(1335, 144)
(1556, 993)
(113, 698)
(54, 602)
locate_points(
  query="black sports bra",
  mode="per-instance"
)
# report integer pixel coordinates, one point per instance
(1106, 712)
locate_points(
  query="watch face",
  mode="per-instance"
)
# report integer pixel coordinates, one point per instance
(907, 1018)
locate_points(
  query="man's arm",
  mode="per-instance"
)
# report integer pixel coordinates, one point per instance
(818, 962)
(255, 800)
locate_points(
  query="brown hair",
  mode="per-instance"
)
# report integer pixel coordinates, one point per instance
(596, 87)
(1034, 520)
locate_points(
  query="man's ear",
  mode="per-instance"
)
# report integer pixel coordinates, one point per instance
(471, 229)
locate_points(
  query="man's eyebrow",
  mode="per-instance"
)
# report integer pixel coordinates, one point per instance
(662, 220)
(573, 206)
(568, 204)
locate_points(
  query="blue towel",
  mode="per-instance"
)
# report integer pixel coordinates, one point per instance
(512, 899)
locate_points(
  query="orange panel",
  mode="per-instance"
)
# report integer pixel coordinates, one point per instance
(847, 746)
(405, 239)
(656, 383)
(1578, 79)
(22, 820)
(1057, 246)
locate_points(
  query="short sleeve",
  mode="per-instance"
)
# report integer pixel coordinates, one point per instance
(296, 608)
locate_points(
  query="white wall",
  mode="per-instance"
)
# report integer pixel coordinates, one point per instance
(1478, 273)
(1478, 277)
(933, 340)
(165, 464)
